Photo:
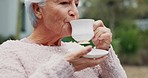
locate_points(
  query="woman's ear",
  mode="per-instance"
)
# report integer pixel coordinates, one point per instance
(37, 10)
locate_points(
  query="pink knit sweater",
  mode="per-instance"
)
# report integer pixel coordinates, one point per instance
(23, 59)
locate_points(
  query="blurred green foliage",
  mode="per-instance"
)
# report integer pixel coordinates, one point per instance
(129, 42)
(127, 33)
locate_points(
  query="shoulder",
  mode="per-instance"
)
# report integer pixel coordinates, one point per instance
(12, 46)
(8, 44)
(7, 47)
(7, 51)
(17, 45)
(9, 60)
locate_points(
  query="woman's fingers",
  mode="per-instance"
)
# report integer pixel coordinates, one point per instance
(89, 63)
(106, 37)
(102, 36)
(97, 24)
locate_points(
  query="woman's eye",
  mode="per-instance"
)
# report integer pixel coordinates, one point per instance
(64, 3)
(76, 5)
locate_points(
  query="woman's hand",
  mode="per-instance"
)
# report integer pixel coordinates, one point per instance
(79, 63)
(103, 36)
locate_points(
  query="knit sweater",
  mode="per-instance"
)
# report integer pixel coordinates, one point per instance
(23, 59)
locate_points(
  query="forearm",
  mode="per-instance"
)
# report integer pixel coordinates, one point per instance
(111, 67)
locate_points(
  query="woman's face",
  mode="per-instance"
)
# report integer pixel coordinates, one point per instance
(57, 15)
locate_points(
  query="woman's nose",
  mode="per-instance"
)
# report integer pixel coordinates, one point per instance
(73, 12)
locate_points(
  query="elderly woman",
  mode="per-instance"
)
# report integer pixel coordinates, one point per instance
(43, 55)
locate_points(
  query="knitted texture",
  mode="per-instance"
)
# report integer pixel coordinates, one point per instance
(23, 59)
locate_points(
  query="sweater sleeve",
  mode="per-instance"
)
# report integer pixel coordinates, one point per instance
(11, 67)
(111, 67)
(56, 68)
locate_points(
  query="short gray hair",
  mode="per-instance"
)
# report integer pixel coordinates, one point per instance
(29, 9)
